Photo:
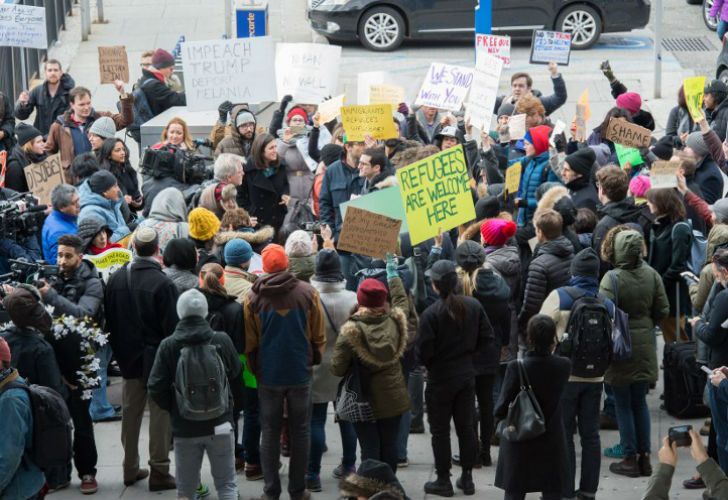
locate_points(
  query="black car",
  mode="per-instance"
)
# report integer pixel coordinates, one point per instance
(721, 73)
(383, 24)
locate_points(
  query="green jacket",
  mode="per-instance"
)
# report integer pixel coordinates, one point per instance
(302, 267)
(642, 296)
(659, 485)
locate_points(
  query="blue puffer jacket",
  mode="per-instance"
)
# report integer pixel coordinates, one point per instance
(535, 171)
(56, 225)
(94, 205)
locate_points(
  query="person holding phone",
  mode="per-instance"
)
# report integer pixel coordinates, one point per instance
(292, 141)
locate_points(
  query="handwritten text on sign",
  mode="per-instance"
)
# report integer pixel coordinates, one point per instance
(307, 71)
(494, 45)
(484, 90)
(368, 233)
(113, 64)
(436, 194)
(237, 70)
(371, 119)
(23, 26)
(445, 87)
(43, 177)
(550, 46)
(622, 132)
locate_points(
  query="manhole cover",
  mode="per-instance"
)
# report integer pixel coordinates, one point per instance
(688, 44)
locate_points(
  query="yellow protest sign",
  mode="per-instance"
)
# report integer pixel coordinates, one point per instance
(370, 119)
(109, 261)
(513, 178)
(386, 94)
(436, 194)
(694, 87)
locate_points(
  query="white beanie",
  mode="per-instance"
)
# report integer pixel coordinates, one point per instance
(298, 244)
(192, 303)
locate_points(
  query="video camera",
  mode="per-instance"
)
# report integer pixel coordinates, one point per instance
(25, 271)
(184, 166)
(20, 216)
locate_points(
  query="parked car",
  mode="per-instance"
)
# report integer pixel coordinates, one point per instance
(710, 22)
(382, 25)
(722, 72)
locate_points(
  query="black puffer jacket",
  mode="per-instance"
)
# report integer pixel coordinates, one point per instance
(583, 193)
(33, 357)
(549, 269)
(225, 314)
(493, 294)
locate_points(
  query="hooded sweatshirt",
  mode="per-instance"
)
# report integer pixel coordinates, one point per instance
(168, 216)
(108, 211)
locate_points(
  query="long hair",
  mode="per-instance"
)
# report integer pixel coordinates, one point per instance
(107, 147)
(185, 132)
(615, 112)
(667, 202)
(449, 289)
(210, 279)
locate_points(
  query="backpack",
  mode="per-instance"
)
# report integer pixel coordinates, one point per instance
(588, 337)
(698, 248)
(52, 443)
(142, 112)
(200, 383)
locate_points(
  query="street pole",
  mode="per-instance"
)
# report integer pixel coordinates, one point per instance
(100, 11)
(23, 69)
(228, 19)
(658, 49)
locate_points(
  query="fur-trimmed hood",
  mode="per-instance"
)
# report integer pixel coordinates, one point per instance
(549, 199)
(259, 237)
(379, 340)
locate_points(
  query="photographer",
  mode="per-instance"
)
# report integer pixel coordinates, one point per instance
(16, 243)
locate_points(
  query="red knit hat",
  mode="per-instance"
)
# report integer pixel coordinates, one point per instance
(495, 232)
(4, 351)
(296, 112)
(275, 259)
(630, 102)
(162, 59)
(539, 138)
(372, 293)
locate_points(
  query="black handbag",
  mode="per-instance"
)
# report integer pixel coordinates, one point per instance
(525, 418)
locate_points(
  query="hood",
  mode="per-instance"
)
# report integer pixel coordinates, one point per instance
(628, 250)
(718, 236)
(88, 228)
(506, 257)
(234, 115)
(371, 337)
(302, 267)
(328, 286)
(622, 211)
(549, 199)
(89, 198)
(193, 330)
(490, 284)
(169, 206)
(591, 285)
(275, 284)
(560, 247)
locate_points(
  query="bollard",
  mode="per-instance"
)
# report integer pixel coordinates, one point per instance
(85, 20)
(100, 11)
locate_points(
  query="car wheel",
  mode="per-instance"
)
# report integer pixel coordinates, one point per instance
(584, 24)
(693, 2)
(710, 22)
(381, 29)
(723, 76)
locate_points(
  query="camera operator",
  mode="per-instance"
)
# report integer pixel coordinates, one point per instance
(19, 245)
(63, 219)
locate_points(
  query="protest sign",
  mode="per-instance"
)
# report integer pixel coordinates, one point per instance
(517, 126)
(558, 129)
(436, 194)
(445, 86)
(237, 70)
(548, 46)
(484, 90)
(23, 26)
(513, 178)
(371, 119)
(368, 233)
(113, 64)
(385, 202)
(494, 45)
(109, 261)
(3, 167)
(628, 155)
(663, 174)
(365, 80)
(330, 109)
(43, 177)
(622, 132)
(694, 88)
(307, 71)
(386, 94)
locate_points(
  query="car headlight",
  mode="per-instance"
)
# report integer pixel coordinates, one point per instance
(326, 4)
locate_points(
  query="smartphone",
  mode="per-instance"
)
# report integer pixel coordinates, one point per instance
(706, 369)
(296, 130)
(688, 276)
(680, 435)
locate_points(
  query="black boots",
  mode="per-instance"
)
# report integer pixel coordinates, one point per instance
(627, 467)
(465, 482)
(644, 465)
(441, 487)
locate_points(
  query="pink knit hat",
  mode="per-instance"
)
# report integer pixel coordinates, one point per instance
(639, 185)
(630, 101)
(496, 232)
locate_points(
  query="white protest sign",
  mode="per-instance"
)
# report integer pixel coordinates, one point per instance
(329, 110)
(517, 126)
(484, 90)
(237, 70)
(23, 26)
(307, 71)
(494, 45)
(445, 86)
(548, 46)
(558, 128)
(366, 80)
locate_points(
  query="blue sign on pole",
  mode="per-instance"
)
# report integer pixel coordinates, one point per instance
(484, 17)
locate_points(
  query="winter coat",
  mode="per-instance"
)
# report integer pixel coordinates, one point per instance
(258, 239)
(33, 357)
(56, 225)
(549, 269)
(535, 171)
(168, 216)
(718, 119)
(708, 176)
(183, 279)
(539, 464)
(161, 385)
(81, 295)
(47, 108)
(225, 314)
(709, 328)
(506, 261)
(583, 193)
(234, 143)
(341, 181)
(17, 160)
(302, 267)
(107, 211)
(138, 319)
(670, 246)
(642, 296)
(238, 282)
(718, 236)
(679, 122)
(613, 214)
(493, 294)
(550, 103)
(338, 302)
(659, 486)
(377, 341)
(151, 187)
(300, 176)
(261, 195)
(418, 130)
(159, 96)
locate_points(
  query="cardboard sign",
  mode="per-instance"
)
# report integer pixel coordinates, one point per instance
(517, 127)
(622, 132)
(513, 178)
(329, 110)
(236, 70)
(365, 80)
(109, 261)
(307, 71)
(385, 202)
(628, 155)
(663, 174)
(367, 233)
(23, 26)
(372, 119)
(436, 194)
(386, 94)
(3, 167)
(694, 89)
(484, 90)
(445, 87)
(494, 45)
(113, 64)
(548, 46)
(43, 177)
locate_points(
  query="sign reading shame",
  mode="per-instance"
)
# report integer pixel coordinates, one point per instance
(620, 131)
(307, 71)
(113, 64)
(445, 86)
(23, 26)
(43, 177)
(237, 70)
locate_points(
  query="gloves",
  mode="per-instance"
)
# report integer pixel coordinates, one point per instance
(391, 267)
(518, 203)
(224, 109)
(284, 103)
(607, 70)
(403, 109)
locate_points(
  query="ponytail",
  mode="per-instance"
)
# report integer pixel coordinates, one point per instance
(212, 279)
(448, 288)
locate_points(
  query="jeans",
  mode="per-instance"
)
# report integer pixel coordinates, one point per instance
(251, 427)
(318, 440)
(378, 440)
(100, 406)
(719, 414)
(297, 399)
(580, 403)
(188, 453)
(484, 393)
(350, 264)
(609, 409)
(722, 28)
(633, 417)
(416, 388)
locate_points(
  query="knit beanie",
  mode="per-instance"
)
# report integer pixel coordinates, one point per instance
(275, 259)
(696, 142)
(630, 102)
(496, 232)
(539, 138)
(469, 255)
(101, 181)
(487, 207)
(104, 127)
(328, 266)
(371, 293)
(162, 59)
(331, 153)
(720, 209)
(244, 117)
(26, 310)
(298, 244)
(663, 148)
(237, 252)
(718, 89)
(180, 252)
(204, 224)
(192, 303)
(507, 108)
(296, 111)
(26, 133)
(5, 356)
(639, 185)
(582, 161)
(586, 263)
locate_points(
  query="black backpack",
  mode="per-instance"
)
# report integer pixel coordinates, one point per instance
(142, 112)
(588, 337)
(52, 442)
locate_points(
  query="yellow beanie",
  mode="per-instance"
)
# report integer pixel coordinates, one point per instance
(204, 225)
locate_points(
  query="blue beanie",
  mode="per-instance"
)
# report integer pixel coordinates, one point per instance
(238, 252)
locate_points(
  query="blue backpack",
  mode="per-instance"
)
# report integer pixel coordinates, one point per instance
(698, 248)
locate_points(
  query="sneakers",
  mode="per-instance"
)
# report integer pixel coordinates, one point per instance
(253, 472)
(313, 483)
(694, 483)
(340, 472)
(89, 486)
(402, 463)
(616, 451)
(202, 491)
(442, 487)
(465, 482)
(627, 467)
